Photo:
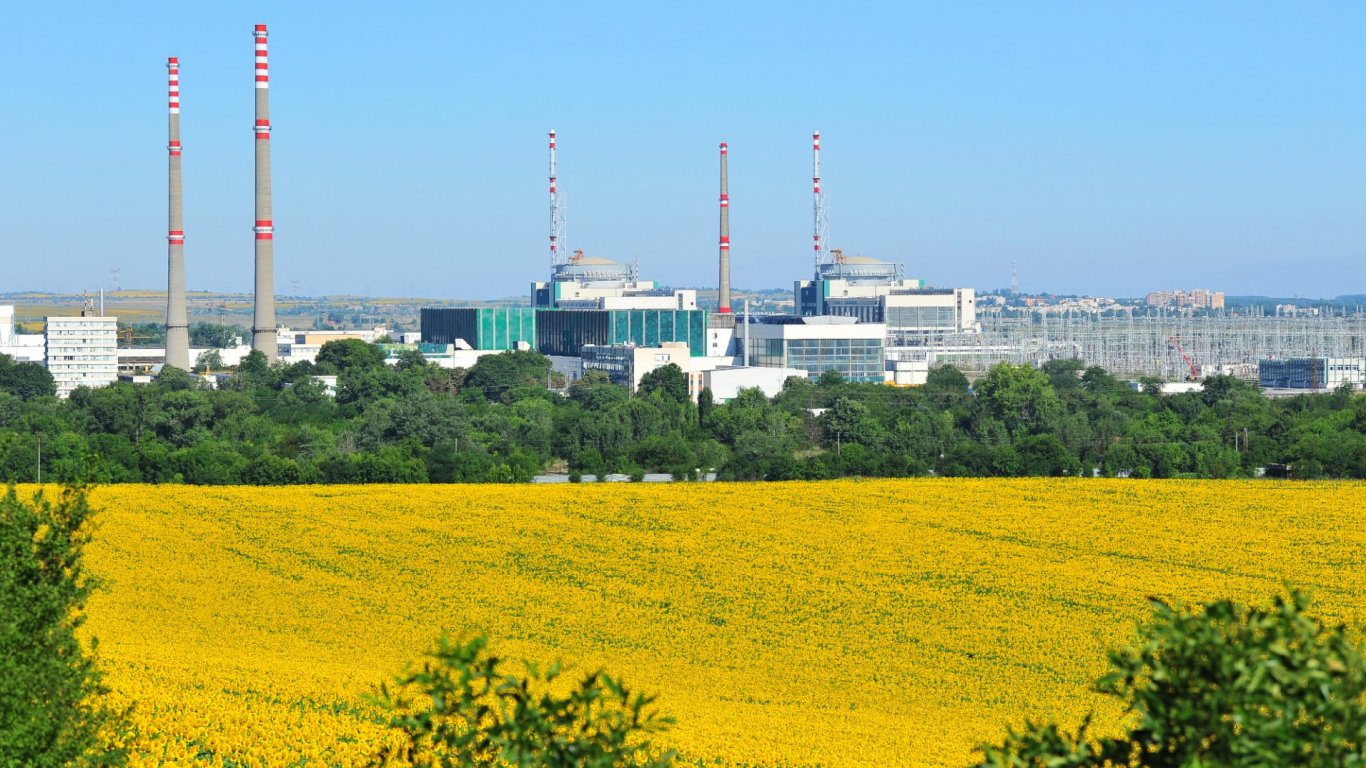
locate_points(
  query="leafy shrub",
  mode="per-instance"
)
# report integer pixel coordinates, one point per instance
(51, 707)
(461, 710)
(1225, 685)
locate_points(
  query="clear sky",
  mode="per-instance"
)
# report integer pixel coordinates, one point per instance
(1107, 147)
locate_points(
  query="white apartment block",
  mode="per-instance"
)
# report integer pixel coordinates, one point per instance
(82, 352)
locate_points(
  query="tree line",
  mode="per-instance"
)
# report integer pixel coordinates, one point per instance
(509, 417)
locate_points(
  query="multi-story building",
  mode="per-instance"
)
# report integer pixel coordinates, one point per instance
(851, 348)
(82, 352)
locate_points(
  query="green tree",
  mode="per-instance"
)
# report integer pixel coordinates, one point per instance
(215, 336)
(208, 360)
(461, 709)
(51, 708)
(25, 380)
(1020, 397)
(667, 379)
(1224, 685)
(496, 374)
(350, 355)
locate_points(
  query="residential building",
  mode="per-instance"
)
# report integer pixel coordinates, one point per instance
(82, 351)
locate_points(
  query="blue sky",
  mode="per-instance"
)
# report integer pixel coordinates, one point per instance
(1108, 148)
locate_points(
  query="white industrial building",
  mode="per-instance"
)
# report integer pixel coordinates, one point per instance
(851, 348)
(82, 351)
(877, 292)
(23, 347)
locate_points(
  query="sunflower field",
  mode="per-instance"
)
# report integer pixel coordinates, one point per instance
(843, 623)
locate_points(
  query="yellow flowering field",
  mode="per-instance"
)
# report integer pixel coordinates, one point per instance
(848, 623)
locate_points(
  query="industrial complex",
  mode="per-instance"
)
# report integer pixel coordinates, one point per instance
(858, 316)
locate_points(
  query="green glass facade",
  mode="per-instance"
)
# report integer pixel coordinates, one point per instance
(487, 328)
(564, 332)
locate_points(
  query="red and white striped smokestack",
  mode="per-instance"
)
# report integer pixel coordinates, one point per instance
(554, 206)
(263, 317)
(177, 325)
(816, 194)
(723, 284)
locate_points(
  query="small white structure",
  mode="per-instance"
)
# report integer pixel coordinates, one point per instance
(726, 382)
(82, 351)
(303, 346)
(23, 347)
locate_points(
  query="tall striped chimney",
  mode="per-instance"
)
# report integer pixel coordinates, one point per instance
(177, 326)
(554, 206)
(263, 318)
(723, 284)
(816, 222)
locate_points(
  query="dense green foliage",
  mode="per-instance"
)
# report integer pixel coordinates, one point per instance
(1226, 685)
(50, 710)
(498, 422)
(460, 709)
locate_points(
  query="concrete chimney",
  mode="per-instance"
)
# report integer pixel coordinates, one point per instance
(723, 284)
(177, 325)
(263, 319)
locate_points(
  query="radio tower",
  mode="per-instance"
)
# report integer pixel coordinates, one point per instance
(556, 215)
(177, 325)
(820, 226)
(723, 284)
(1014, 279)
(263, 316)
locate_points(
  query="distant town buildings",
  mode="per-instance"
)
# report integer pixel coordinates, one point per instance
(1198, 298)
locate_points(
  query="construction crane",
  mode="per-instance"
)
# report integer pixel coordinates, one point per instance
(127, 335)
(1194, 374)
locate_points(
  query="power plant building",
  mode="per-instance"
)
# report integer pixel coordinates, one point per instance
(565, 332)
(853, 349)
(876, 291)
(482, 328)
(591, 282)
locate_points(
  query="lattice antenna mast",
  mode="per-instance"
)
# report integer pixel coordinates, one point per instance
(558, 247)
(820, 224)
(1014, 278)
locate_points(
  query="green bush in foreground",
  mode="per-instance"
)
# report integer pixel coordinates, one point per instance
(460, 710)
(1225, 685)
(50, 708)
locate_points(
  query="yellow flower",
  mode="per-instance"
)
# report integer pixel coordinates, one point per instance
(846, 623)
